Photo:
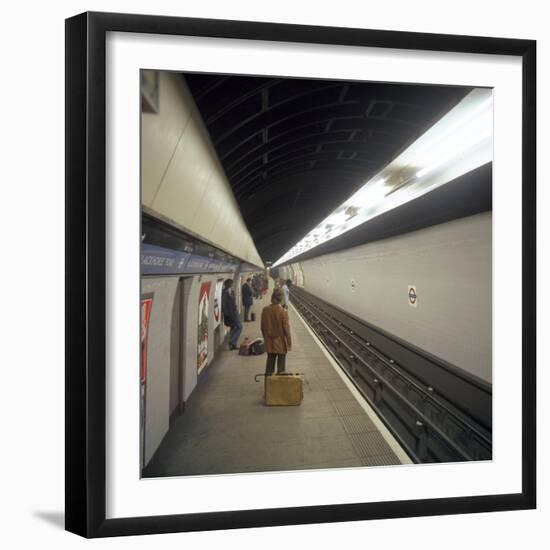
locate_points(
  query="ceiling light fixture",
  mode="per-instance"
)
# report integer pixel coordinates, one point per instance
(456, 144)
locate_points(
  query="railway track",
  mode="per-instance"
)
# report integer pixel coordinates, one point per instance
(430, 422)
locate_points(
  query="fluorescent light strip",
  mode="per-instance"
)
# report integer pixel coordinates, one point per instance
(452, 156)
(427, 161)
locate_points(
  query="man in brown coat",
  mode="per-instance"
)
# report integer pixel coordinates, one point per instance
(276, 333)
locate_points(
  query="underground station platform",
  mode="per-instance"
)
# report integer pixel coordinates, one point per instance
(226, 427)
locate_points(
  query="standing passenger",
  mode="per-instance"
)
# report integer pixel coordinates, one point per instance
(230, 314)
(276, 333)
(286, 292)
(247, 298)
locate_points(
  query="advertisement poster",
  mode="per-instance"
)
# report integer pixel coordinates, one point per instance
(218, 303)
(204, 295)
(237, 291)
(146, 306)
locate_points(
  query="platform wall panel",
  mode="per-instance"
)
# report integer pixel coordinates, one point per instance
(450, 267)
(159, 355)
(172, 345)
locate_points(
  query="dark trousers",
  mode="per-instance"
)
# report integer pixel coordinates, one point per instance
(247, 312)
(234, 332)
(270, 363)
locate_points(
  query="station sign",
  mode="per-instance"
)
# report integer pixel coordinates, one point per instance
(157, 260)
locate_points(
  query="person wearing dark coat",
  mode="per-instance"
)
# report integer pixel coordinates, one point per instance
(230, 314)
(247, 298)
(276, 333)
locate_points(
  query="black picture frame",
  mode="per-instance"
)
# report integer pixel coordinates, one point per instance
(86, 265)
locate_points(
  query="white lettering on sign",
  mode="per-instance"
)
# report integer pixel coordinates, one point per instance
(412, 296)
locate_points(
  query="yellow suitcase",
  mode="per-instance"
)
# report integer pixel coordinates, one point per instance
(284, 389)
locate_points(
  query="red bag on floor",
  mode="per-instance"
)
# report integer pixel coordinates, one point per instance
(244, 348)
(252, 347)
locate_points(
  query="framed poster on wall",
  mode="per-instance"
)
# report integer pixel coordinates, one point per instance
(218, 303)
(105, 53)
(146, 307)
(204, 304)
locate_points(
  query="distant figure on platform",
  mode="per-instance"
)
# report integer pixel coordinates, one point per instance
(276, 333)
(286, 293)
(247, 298)
(230, 314)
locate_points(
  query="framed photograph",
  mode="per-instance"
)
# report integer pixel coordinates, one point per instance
(362, 201)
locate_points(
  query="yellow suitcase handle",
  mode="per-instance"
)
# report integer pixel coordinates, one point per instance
(281, 374)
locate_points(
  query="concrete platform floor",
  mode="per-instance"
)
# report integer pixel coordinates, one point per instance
(226, 428)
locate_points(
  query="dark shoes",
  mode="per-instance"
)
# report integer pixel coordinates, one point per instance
(232, 347)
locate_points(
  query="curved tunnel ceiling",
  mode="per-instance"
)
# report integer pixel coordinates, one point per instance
(294, 149)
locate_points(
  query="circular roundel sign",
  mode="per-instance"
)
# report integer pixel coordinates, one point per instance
(412, 296)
